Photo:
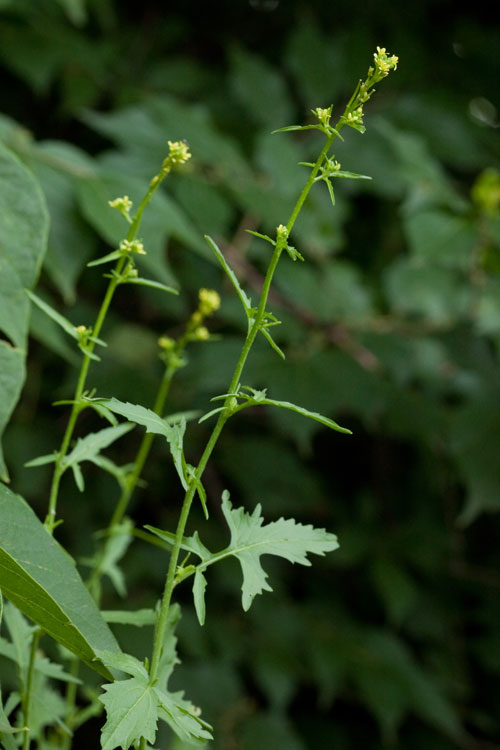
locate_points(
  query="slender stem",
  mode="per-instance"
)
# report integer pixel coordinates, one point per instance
(132, 479)
(26, 701)
(254, 327)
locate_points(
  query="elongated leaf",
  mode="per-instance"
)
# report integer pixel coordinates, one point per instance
(23, 230)
(65, 324)
(139, 618)
(153, 285)
(199, 586)
(172, 428)
(138, 414)
(350, 175)
(300, 410)
(91, 445)
(40, 579)
(245, 301)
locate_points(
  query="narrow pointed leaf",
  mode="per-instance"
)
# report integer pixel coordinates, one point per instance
(41, 460)
(350, 175)
(261, 236)
(115, 255)
(65, 324)
(305, 413)
(245, 301)
(272, 342)
(153, 285)
(199, 586)
(91, 445)
(122, 617)
(330, 191)
(289, 128)
(40, 579)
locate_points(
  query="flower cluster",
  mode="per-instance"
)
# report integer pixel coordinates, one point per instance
(209, 301)
(132, 246)
(323, 115)
(123, 205)
(355, 117)
(171, 349)
(178, 154)
(384, 63)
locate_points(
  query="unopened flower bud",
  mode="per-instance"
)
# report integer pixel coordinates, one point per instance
(209, 301)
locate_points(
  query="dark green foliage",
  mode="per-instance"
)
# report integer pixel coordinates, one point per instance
(391, 327)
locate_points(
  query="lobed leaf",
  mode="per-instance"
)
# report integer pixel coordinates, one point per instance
(284, 538)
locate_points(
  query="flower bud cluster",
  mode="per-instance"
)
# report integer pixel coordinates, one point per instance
(384, 63)
(209, 301)
(171, 349)
(323, 115)
(355, 117)
(178, 154)
(123, 205)
(132, 246)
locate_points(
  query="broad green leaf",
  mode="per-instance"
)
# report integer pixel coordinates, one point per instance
(132, 711)
(134, 706)
(23, 232)
(40, 579)
(254, 81)
(59, 166)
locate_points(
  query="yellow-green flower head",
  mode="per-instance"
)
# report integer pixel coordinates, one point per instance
(384, 62)
(209, 301)
(323, 115)
(178, 153)
(122, 204)
(166, 343)
(132, 246)
(356, 116)
(281, 232)
(201, 333)
(81, 330)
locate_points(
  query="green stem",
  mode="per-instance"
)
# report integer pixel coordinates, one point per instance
(26, 701)
(132, 479)
(254, 327)
(77, 407)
